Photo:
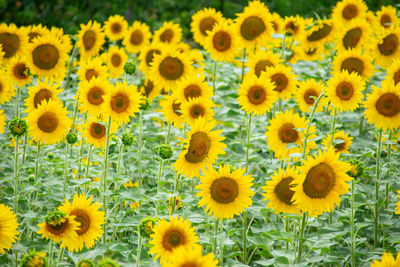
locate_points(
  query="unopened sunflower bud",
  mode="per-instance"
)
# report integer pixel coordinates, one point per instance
(130, 68)
(31, 178)
(146, 227)
(17, 127)
(165, 151)
(127, 139)
(72, 138)
(145, 104)
(107, 263)
(34, 259)
(85, 263)
(50, 155)
(357, 168)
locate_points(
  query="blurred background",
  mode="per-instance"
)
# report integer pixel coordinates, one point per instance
(69, 14)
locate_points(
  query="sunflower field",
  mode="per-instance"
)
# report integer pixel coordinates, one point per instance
(264, 141)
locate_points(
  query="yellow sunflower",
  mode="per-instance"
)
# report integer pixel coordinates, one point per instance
(276, 22)
(63, 38)
(387, 260)
(386, 17)
(354, 35)
(192, 87)
(288, 128)
(386, 46)
(122, 102)
(36, 31)
(48, 123)
(279, 193)
(147, 54)
(169, 32)
(191, 256)
(13, 40)
(383, 106)
(90, 218)
(95, 132)
(308, 91)
(222, 42)
(8, 228)
(347, 10)
(46, 56)
(204, 21)
(18, 71)
(90, 39)
(137, 37)
(294, 27)
(59, 227)
(115, 27)
(341, 140)
(44, 90)
(261, 59)
(225, 194)
(322, 31)
(393, 72)
(306, 53)
(7, 91)
(257, 95)
(171, 110)
(283, 78)
(344, 90)
(92, 68)
(197, 108)
(115, 59)
(202, 148)
(91, 95)
(171, 235)
(321, 182)
(150, 89)
(353, 61)
(2, 120)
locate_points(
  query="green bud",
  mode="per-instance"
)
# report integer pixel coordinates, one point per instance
(145, 104)
(85, 263)
(72, 138)
(31, 178)
(165, 151)
(127, 139)
(146, 226)
(107, 263)
(17, 127)
(50, 155)
(130, 68)
(357, 168)
(34, 258)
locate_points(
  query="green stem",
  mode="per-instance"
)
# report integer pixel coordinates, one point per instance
(17, 103)
(388, 157)
(168, 133)
(140, 148)
(352, 233)
(243, 59)
(71, 59)
(333, 146)
(65, 167)
(51, 254)
(214, 74)
(120, 154)
(248, 141)
(16, 180)
(378, 171)
(25, 148)
(283, 49)
(37, 161)
(215, 236)
(244, 236)
(301, 236)
(104, 180)
(139, 250)
(360, 129)
(80, 158)
(88, 161)
(61, 255)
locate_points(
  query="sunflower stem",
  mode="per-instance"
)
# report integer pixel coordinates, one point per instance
(378, 171)
(243, 59)
(80, 158)
(88, 161)
(120, 154)
(16, 180)
(214, 75)
(51, 254)
(140, 148)
(17, 103)
(352, 233)
(244, 256)
(25, 148)
(65, 168)
(37, 161)
(214, 248)
(301, 236)
(139, 250)
(104, 180)
(360, 129)
(61, 255)
(388, 157)
(333, 145)
(71, 59)
(248, 141)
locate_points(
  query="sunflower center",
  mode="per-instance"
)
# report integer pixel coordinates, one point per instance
(176, 107)
(280, 80)
(388, 105)
(42, 94)
(310, 51)
(222, 41)
(291, 28)
(352, 37)
(82, 217)
(192, 91)
(116, 27)
(97, 130)
(261, 66)
(171, 68)
(275, 26)
(48, 122)
(198, 147)
(319, 181)
(283, 192)
(136, 37)
(119, 102)
(196, 111)
(148, 87)
(389, 45)
(309, 96)
(172, 239)
(206, 24)
(167, 36)
(45, 56)
(57, 229)
(150, 56)
(89, 39)
(95, 96)
(353, 64)
(116, 60)
(349, 12)
(20, 71)
(90, 73)
(287, 133)
(189, 264)
(320, 34)
(344, 91)
(224, 190)
(256, 95)
(386, 21)
(340, 146)
(396, 77)
(252, 27)
(10, 44)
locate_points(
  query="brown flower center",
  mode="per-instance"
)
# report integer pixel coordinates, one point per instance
(119, 102)
(222, 41)
(33, 35)
(319, 181)
(310, 51)
(192, 91)
(116, 27)
(116, 60)
(291, 28)
(309, 96)
(21, 71)
(97, 130)
(10, 44)
(386, 21)
(48, 122)
(396, 77)
(190, 264)
(275, 26)
(320, 34)
(136, 37)
(45, 56)
(256, 95)
(196, 111)
(353, 64)
(283, 192)
(42, 94)
(82, 217)
(89, 39)
(261, 66)
(252, 27)
(280, 80)
(388, 105)
(90, 73)
(148, 87)
(344, 91)
(340, 146)
(171, 68)
(176, 107)
(167, 36)
(287, 133)
(58, 229)
(206, 24)
(224, 190)
(95, 95)
(150, 56)
(349, 12)
(173, 238)
(352, 38)
(198, 147)
(389, 45)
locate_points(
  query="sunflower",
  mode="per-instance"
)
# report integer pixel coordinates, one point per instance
(257, 95)
(171, 235)
(283, 78)
(195, 108)
(321, 182)
(353, 61)
(203, 21)
(44, 90)
(276, 23)
(225, 194)
(347, 10)
(202, 148)
(279, 193)
(13, 40)
(383, 106)
(115, 27)
(342, 142)
(37, 31)
(46, 56)
(90, 39)
(306, 53)
(92, 68)
(115, 59)
(7, 91)
(322, 31)
(63, 38)
(386, 17)
(192, 87)
(294, 26)
(34, 259)
(191, 256)
(150, 89)
(308, 91)
(344, 90)
(261, 59)
(59, 227)
(171, 110)
(18, 71)
(8, 228)
(393, 72)
(48, 123)
(169, 32)
(387, 260)
(169, 68)
(91, 95)
(222, 42)
(147, 54)
(287, 128)
(2, 120)
(95, 132)
(354, 35)
(386, 46)
(137, 37)
(122, 102)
